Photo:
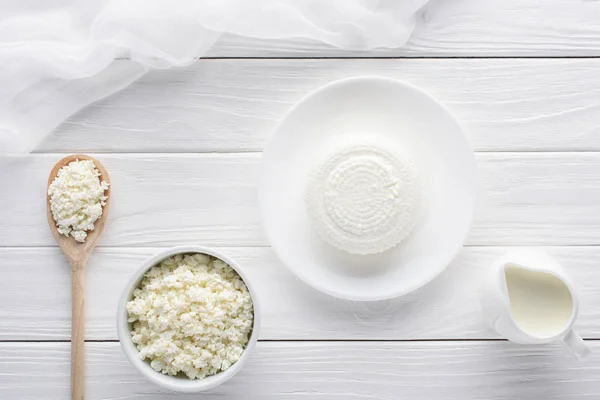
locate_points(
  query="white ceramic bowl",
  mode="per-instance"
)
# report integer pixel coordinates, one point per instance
(176, 383)
(401, 118)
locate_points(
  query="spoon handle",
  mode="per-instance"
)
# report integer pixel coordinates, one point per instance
(77, 330)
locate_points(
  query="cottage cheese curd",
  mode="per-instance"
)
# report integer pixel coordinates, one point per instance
(363, 199)
(192, 314)
(76, 198)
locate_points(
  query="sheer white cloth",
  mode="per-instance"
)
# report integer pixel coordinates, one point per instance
(57, 56)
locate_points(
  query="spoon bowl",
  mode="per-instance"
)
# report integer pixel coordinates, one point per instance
(77, 254)
(73, 250)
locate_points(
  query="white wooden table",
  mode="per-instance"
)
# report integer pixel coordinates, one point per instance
(183, 147)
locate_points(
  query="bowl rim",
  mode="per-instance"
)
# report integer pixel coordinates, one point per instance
(173, 383)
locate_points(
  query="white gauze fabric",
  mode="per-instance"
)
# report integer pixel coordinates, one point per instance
(57, 56)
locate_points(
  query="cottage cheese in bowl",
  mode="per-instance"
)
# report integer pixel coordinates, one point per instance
(188, 319)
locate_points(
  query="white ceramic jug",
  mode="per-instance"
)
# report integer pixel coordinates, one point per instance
(528, 299)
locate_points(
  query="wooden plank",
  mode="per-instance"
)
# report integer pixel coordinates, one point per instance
(339, 371)
(174, 199)
(467, 28)
(234, 105)
(36, 285)
(156, 200)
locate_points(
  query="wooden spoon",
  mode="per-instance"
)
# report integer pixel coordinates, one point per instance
(78, 254)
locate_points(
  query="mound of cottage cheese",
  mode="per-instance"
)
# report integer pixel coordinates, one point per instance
(363, 199)
(76, 198)
(191, 314)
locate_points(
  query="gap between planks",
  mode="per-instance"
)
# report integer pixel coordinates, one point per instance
(389, 58)
(458, 340)
(259, 152)
(236, 246)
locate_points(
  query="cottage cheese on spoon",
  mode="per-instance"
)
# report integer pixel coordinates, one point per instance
(363, 199)
(76, 198)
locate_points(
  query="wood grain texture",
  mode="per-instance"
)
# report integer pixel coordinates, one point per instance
(210, 199)
(339, 371)
(77, 330)
(467, 28)
(234, 105)
(36, 285)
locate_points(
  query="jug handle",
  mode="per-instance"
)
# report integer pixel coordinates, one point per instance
(576, 346)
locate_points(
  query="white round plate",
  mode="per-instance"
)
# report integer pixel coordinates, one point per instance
(401, 117)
